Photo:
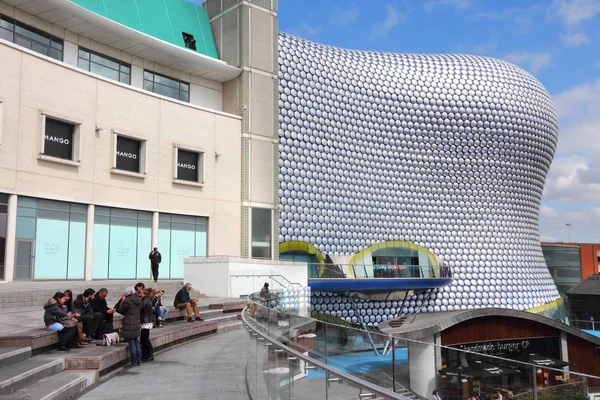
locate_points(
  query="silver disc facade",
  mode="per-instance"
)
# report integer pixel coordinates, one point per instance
(447, 151)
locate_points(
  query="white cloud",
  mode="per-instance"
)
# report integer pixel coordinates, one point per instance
(533, 62)
(392, 19)
(306, 30)
(344, 16)
(547, 238)
(460, 5)
(573, 12)
(572, 179)
(548, 212)
(575, 39)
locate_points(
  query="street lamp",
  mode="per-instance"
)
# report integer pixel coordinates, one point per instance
(569, 230)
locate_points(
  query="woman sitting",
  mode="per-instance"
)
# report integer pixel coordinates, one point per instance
(57, 319)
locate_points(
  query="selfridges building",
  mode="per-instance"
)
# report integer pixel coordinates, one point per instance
(449, 152)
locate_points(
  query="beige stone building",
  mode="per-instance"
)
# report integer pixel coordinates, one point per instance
(115, 138)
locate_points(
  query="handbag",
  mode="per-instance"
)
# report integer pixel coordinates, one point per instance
(110, 339)
(68, 322)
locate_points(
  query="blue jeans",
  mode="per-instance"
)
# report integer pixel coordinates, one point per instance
(56, 327)
(135, 350)
(161, 313)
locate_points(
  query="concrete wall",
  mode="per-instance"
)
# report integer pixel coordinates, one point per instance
(421, 365)
(203, 92)
(32, 85)
(235, 277)
(246, 36)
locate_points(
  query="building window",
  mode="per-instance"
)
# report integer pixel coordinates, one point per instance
(3, 222)
(50, 242)
(189, 165)
(60, 140)
(261, 233)
(189, 40)
(166, 86)
(104, 66)
(31, 38)
(130, 154)
(179, 237)
(122, 242)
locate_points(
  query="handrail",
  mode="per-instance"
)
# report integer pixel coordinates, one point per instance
(360, 383)
(293, 284)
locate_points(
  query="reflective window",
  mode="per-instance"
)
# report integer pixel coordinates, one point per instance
(261, 232)
(122, 243)
(56, 231)
(166, 86)
(31, 38)
(128, 154)
(105, 66)
(179, 237)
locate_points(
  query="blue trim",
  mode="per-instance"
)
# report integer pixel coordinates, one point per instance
(377, 284)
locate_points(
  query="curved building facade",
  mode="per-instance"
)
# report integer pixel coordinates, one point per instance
(446, 151)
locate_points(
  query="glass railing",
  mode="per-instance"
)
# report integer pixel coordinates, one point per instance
(293, 356)
(585, 325)
(333, 271)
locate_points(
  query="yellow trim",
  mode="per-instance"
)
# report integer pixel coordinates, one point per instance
(303, 247)
(545, 307)
(391, 243)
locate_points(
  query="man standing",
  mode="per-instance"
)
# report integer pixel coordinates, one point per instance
(99, 305)
(155, 259)
(183, 301)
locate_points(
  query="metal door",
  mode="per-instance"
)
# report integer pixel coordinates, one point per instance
(24, 260)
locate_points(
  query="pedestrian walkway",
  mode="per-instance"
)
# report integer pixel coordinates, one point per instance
(210, 368)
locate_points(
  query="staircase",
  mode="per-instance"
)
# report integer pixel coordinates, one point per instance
(31, 369)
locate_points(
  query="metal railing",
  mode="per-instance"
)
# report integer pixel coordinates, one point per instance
(374, 271)
(333, 348)
(366, 390)
(590, 325)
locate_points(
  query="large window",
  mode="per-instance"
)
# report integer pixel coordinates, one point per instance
(50, 239)
(31, 38)
(179, 237)
(261, 232)
(122, 242)
(3, 221)
(166, 86)
(105, 66)
(130, 155)
(564, 264)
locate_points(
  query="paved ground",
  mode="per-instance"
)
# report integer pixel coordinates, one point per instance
(211, 368)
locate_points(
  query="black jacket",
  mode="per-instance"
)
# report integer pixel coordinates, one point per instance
(183, 296)
(79, 306)
(130, 309)
(99, 305)
(157, 302)
(155, 258)
(146, 311)
(54, 312)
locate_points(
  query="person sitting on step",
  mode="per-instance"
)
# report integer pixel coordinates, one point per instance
(100, 306)
(91, 320)
(58, 319)
(160, 310)
(183, 301)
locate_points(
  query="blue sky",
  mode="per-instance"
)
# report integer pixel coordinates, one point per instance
(558, 41)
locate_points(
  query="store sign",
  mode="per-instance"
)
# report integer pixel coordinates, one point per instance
(187, 165)
(58, 139)
(128, 154)
(497, 347)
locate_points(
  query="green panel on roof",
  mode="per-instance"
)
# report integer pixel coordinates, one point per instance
(162, 19)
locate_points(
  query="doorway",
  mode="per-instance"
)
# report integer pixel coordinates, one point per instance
(24, 260)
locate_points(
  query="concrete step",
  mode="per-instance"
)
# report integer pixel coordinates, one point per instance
(230, 326)
(62, 386)
(13, 355)
(25, 373)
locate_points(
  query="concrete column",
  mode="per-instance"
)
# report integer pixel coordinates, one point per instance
(89, 242)
(11, 234)
(564, 348)
(421, 365)
(155, 229)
